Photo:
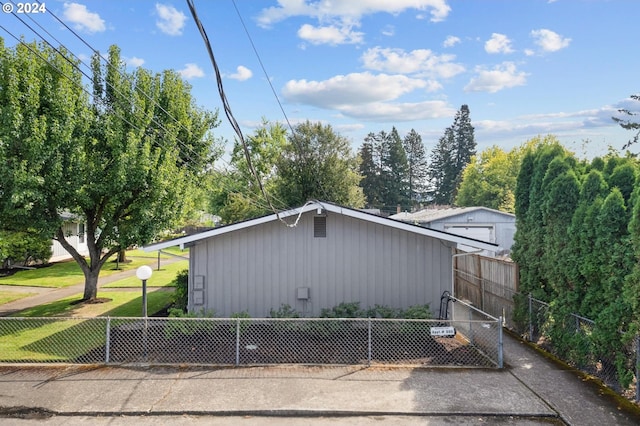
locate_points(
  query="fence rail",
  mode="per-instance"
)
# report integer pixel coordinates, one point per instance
(252, 341)
(487, 283)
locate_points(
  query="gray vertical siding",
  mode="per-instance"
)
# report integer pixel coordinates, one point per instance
(259, 268)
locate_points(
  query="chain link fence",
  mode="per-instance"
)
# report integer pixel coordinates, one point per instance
(473, 341)
(620, 373)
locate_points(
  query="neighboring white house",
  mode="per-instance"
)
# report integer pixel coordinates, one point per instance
(480, 223)
(74, 230)
(332, 255)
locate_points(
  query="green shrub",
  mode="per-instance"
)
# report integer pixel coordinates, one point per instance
(344, 310)
(417, 312)
(23, 248)
(385, 312)
(181, 294)
(188, 328)
(285, 311)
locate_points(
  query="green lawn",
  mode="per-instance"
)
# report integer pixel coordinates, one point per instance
(10, 296)
(64, 274)
(161, 278)
(68, 339)
(122, 304)
(62, 330)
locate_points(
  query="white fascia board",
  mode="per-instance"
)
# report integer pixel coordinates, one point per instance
(333, 208)
(182, 241)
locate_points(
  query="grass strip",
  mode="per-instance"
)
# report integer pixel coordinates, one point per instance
(59, 338)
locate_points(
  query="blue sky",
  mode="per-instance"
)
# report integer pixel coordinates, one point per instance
(525, 67)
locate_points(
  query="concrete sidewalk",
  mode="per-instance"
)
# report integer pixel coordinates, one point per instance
(531, 390)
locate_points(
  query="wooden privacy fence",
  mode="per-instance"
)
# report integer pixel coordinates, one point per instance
(487, 283)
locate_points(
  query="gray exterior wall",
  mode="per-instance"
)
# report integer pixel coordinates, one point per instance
(259, 268)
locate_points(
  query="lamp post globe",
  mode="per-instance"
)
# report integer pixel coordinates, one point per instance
(144, 273)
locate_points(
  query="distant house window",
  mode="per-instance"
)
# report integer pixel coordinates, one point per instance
(81, 233)
(320, 226)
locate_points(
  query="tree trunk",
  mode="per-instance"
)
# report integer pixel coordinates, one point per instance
(122, 256)
(90, 284)
(91, 269)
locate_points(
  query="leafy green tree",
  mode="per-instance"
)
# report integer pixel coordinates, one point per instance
(418, 165)
(124, 162)
(235, 194)
(489, 180)
(317, 163)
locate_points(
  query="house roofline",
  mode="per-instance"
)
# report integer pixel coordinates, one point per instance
(329, 207)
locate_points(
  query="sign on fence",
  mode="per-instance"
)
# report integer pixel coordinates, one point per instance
(443, 331)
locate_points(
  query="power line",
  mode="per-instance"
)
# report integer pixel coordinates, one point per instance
(74, 82)
(229, 113)
(188, 155)
(81, 87)
(294, 140)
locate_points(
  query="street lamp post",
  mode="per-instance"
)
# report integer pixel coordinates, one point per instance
(144, 273)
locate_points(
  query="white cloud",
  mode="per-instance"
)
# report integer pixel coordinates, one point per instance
(367, 96)
(242, 73)
(451, 41)
(134, 61)
(421, 61)
(327, 9)
(501, 77)
(83, 20)
(394, 112)
(171, 21)
(549, 41)
(191, 71)
(332, 35)
(498, 43)
(351, 89)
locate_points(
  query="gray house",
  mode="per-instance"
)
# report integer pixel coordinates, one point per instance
(481, 223)
(333, 254)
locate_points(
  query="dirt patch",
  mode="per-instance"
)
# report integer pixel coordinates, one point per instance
(186, 342)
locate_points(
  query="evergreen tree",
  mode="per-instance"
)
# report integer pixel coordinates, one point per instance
(441, 169)
(418, 167)
(370, 174)
(450, 156)
(385, 171)
(395, 179)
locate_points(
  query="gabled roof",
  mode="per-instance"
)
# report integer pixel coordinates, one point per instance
(429, 215)
(328, 207)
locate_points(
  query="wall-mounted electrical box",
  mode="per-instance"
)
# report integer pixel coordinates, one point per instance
(302, 293)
